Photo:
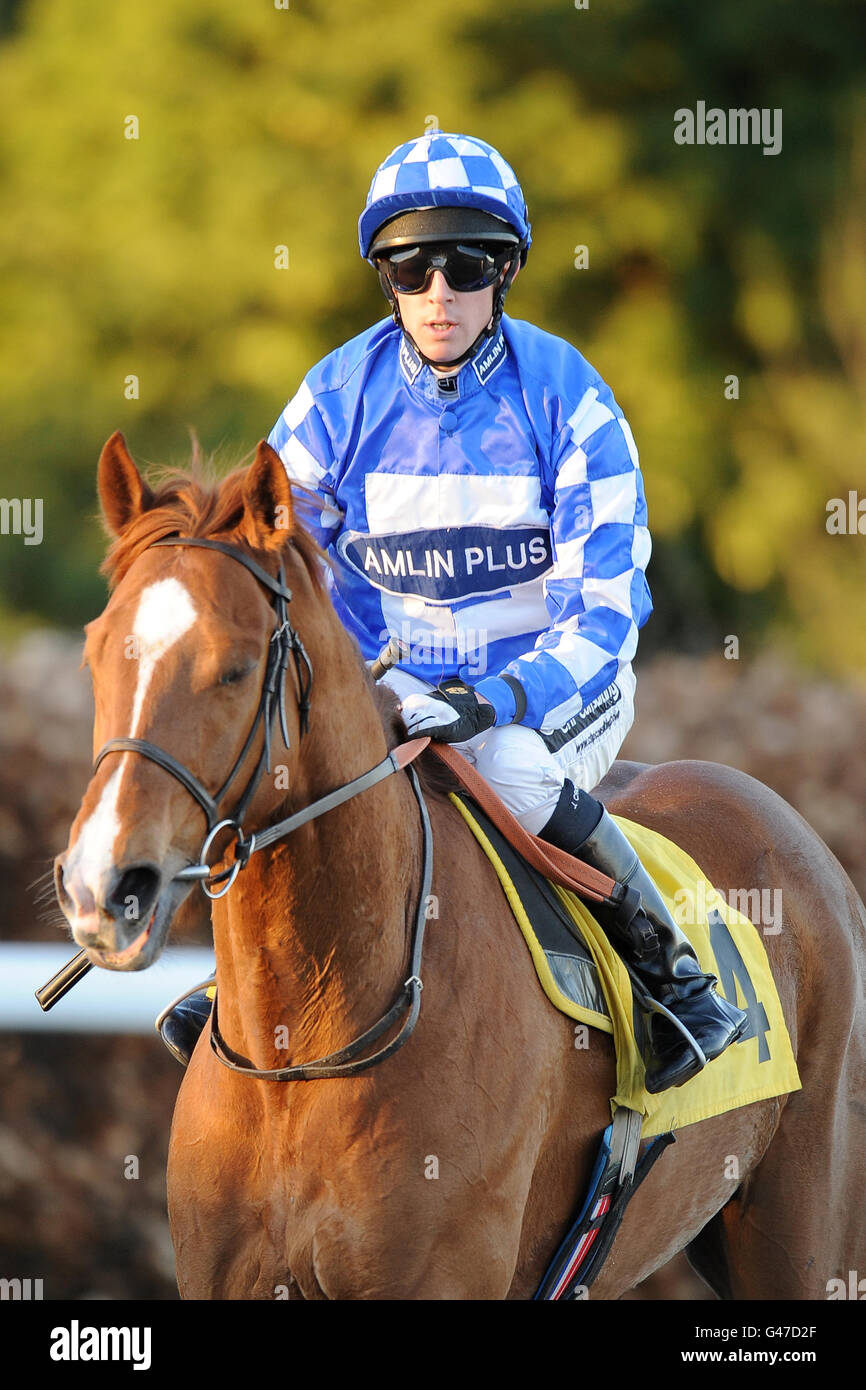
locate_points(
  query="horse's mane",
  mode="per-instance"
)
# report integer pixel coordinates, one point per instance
(193, 502)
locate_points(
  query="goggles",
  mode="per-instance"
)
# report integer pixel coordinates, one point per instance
(466, 268)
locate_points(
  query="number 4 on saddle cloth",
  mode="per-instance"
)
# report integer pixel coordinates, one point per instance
(585, 978)
(583, 975)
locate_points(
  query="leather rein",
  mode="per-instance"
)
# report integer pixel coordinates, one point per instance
(284, 645)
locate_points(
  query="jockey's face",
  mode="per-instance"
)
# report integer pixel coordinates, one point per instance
(443, 322)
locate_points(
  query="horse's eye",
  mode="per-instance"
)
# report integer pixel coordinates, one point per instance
(235, 675)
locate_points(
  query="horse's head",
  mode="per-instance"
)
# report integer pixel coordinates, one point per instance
(178, 660)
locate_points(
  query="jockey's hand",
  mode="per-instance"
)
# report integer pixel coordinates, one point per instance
(452, 713)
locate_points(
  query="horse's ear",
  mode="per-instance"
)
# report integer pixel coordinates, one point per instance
(123, 493)
(268, 519)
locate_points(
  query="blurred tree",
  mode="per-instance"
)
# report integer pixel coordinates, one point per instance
(180, 190)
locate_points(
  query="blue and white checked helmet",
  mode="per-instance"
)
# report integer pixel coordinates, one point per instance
(448, 171)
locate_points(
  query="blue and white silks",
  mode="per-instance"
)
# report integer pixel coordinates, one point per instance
(494, 520)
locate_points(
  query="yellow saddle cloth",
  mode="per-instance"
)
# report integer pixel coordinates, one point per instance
(759, 1065)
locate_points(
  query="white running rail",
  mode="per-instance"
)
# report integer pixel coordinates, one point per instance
(105, 1001)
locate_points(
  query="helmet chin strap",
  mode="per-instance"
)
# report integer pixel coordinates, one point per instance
(486, 332)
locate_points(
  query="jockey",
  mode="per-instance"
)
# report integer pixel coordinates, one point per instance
(478, 493)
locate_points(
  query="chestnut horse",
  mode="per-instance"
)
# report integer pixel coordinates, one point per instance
(451, 1169)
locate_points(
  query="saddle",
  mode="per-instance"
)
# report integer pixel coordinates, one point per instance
(584, 976)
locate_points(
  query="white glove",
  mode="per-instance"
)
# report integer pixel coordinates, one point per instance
(453, 713)
(423, 712)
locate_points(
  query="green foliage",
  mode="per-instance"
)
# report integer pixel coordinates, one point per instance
(157, 257)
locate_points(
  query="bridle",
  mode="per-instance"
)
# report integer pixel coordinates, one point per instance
(285, 644)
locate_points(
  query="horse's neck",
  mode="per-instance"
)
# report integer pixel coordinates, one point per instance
(312, 949)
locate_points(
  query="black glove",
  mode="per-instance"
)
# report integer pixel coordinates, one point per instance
(451, 713)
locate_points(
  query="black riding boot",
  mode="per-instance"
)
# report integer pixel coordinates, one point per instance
(181, 1023)
(653, 946)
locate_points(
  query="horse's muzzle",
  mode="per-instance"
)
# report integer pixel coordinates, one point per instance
(123, 922)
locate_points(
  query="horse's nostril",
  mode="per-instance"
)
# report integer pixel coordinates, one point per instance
(134, 893)
(73, 895)
(59, 886)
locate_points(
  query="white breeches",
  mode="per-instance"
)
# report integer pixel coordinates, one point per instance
(527, 769)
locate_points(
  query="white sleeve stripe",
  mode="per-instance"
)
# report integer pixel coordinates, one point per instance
(641, 547)
(629, 439)
(572, 469)
(589, 416)
(300, 463)
(568, 557)
(298, 407)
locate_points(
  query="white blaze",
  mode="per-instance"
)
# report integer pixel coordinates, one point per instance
(91, 854)
(165, 612)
